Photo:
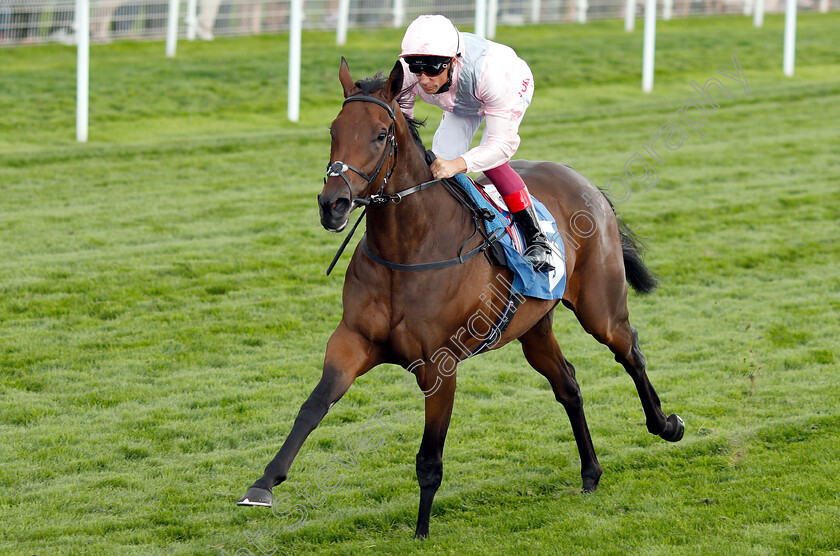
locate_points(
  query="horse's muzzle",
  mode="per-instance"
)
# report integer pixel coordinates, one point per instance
(335, 211)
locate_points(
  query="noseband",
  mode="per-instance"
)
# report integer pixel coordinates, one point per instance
(338, 167)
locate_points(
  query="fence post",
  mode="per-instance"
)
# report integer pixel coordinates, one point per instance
(82, 68)
(790, 37)
(582, 6)
(399, 13)
(343, 17)
(536, 8)
(481, 18)
(649, 45)
(172, 28)
(758, 13)
(191, 19)
(492, 13)
(629, 15)
(295, 23)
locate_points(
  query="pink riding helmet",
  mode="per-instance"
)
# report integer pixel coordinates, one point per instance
(431, 35)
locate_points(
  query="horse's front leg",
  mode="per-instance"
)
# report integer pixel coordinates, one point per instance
(349, 355)
(430, 456)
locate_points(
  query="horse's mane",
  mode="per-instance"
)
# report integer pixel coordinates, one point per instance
(370, 85)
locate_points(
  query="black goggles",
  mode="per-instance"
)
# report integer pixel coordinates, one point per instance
(431, 65)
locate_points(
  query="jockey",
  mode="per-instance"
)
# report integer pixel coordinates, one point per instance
(474, 80)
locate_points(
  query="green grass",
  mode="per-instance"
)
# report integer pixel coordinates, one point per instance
(164, 308)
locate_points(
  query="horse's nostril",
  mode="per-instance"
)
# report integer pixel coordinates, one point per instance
(340, 206)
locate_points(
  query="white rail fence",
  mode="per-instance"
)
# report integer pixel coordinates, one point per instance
(56, 20)
(41, 21)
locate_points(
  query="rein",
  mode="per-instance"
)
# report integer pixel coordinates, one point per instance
(338, 168)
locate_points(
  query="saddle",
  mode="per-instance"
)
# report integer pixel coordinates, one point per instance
(506, 242)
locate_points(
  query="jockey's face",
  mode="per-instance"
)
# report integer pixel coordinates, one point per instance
(431, 85)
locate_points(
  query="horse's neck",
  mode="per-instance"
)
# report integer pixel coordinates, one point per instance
(425, 226)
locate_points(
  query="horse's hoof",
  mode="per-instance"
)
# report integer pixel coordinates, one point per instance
(256, 496)
(421, 536)
(590, 481)
(589, 486)
(676, 426)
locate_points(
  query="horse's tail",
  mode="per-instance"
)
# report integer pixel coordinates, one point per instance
(638, 275)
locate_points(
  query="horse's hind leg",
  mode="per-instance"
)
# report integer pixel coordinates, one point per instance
(602, 310)
(348, 356)
(543, 353)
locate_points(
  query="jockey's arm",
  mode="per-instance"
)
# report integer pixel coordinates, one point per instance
(502, 107)
(501, 144)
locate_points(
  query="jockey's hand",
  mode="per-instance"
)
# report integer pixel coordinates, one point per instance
(442, 168)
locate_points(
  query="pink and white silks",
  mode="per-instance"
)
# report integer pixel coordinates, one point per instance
(490, 84)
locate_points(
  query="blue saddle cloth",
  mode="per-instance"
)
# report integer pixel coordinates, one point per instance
(526, 280)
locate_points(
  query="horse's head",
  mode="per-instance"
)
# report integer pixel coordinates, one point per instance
(363, 152)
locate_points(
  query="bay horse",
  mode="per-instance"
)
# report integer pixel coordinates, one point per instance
(406, 317)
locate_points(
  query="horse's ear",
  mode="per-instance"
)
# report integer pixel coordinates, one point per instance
(346, 81)
(395, 81)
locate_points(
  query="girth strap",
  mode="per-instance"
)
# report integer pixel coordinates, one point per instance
(514, 301)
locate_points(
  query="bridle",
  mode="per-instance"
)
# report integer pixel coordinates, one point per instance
(389, 156)
(338, 167)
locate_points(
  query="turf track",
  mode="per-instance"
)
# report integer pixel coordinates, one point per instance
(164, 309)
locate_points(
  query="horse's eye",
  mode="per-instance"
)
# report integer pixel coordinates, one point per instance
(382, 136)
